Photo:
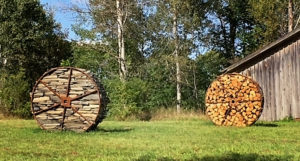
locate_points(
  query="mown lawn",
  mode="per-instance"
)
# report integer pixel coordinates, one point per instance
(157, 140)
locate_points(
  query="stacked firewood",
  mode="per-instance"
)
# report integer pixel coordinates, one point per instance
(68, 99)
(234, 100)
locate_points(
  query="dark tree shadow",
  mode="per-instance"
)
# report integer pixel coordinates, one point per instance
(244, 157)
(37, 130)
(103, 130)
(113, 130)
(149, 157)
(265, 124)
(225, 157)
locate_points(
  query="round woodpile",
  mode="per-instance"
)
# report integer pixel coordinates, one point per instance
(68, 98)
(234, 100)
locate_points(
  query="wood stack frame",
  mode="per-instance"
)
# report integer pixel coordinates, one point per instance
(67, 98)
(234, 100)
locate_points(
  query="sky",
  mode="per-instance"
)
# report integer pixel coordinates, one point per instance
(62, 15)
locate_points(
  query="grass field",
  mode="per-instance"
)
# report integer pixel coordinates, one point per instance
(157, 140)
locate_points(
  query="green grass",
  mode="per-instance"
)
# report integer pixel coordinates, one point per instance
(157, 140)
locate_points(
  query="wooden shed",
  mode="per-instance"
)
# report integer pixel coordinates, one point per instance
(276, 67)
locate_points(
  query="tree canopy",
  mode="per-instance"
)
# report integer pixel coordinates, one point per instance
(30, 43)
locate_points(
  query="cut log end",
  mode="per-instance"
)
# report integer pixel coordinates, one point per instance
(234, 100)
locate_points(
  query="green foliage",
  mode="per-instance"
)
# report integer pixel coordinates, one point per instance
(288, 119)
(271, 25)
(209, 66)
(237, 28)
(206, 68)
(227, 30)
(94, 57)
(197, 140)
(275, 24)
(103, 15)
(128, 99)
(230, 28)
(29, 39)
(160, 81)
(14, 95)
(30, 43)
(154, 88)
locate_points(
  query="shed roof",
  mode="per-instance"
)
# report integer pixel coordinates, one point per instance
(264, 52)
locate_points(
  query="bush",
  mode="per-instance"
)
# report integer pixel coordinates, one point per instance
(127, 98)
(14, 95)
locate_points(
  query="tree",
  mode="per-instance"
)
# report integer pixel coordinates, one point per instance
(29, 38)
(176, 57)
(117, 27)
(208, 67)
(237, 28)
(121, 19)
(291, 15)
(30, 43)
(231, 32)
(172, 40)
(113, 23)
(278, 22)
(274, 25)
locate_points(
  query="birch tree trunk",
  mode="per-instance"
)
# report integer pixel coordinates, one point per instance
(291, 16)
(178, 76)
(121, 20)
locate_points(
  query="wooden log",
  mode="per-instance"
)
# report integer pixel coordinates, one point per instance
(234, 100)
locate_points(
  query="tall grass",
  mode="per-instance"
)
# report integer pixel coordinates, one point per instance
(172, 114)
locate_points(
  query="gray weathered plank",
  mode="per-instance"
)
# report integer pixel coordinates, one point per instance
(272, 87)
(279, 77)
(297, 77)
(277, 84)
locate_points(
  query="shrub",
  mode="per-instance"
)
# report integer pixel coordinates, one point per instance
(14, 95)
(127, 98)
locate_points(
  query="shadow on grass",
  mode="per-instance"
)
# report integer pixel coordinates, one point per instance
(265, 124)
(225, 157)
(244, 157)
(208, 123)
(108, 130)
(37, 130)
(113, 130)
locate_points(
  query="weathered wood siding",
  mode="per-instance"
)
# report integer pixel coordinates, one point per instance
(279, 78)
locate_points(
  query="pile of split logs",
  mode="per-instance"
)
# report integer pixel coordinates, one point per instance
(234, 100)
(68, 99)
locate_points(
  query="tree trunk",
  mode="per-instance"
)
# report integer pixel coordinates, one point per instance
(120, 20)
(178, 76)
(195, 82)
(232, 37)
(291, 16)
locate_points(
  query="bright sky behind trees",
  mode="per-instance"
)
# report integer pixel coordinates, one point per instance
(62, 15)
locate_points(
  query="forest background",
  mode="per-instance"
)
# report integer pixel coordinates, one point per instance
(149, 54)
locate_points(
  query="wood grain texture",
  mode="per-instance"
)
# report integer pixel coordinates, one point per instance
(279, 77)
(234, 100)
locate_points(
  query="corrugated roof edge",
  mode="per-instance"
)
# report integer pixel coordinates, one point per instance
(263, 50)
